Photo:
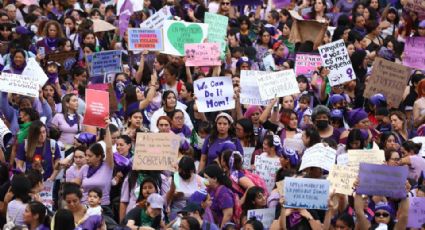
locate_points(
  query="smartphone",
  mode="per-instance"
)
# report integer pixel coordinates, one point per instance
(42, 51)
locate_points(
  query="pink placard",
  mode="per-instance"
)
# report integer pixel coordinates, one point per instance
(97, 108)
(414, 53)
(202, 54)
(306, 64)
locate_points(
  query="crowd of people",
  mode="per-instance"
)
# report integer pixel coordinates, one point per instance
(94, 184)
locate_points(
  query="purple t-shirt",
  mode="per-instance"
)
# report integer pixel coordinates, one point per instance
(101, 179)
(222, 200)
(215, 149)
(345, 6)
(128, 196)
(72, 173)
(68, 132)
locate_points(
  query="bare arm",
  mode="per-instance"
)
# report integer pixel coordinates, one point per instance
(151, 93)
(403, 209)
(361, 221)
(227, 216)
(418, 118)
(108, 141)
(264, 116)
(202, 162)
(123, 209)
(139, 73)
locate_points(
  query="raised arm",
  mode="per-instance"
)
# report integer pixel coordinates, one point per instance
(264, 116)
(109, 159)
(151, 92)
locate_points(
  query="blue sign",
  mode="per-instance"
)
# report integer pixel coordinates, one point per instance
(306, 193)
(100, 63)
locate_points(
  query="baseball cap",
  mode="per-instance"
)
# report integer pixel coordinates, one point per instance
(156, 201)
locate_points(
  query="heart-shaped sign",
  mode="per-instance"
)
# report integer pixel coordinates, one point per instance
(179, 34)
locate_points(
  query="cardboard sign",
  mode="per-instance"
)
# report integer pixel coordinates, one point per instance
(306, 64)
(66, 59)
(27, 85)
(355, 157)
(295, 144)
(34, 69)
(335, 57)
(382, 180)
(414, 52)
(277, 84)
(217, 29)
(280, 4)
(247, 156)
(179, 33)
(342, 159)
(318, 156)
(5, 134)
(214, 94)
(266, 168)
(341, 179)
(422, 141)
(416, 216)
(97, 108)
(264, 215)
(156, 151)
(306, 193)
(145, 39)
(202, 54)
(100, 63)
(249, 88)
(304, 30)
(388, 78)
(46, 194)
(156, 21)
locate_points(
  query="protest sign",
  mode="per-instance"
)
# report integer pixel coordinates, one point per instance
(113, 103)
(247, 156)
(202, 54)
(373, 156)
(382, 180)
(34, 69)
(97, 108)
(268, 62)
(214, 94)
(145, 39)
(305, 30)
(388, 78)
(5, 134)
(179, 33)
(318, 156)
(100, 63)
(66, 59)
(156, 21)
(280, 4)
(306, 193)
(26, 85)
(414, 52)
(417, 6)
(342, 159)
(416, 216)
(335, 57)
(306, 64)
(247, 2)
(295, 144)
(341, 179)
(277, 84)
(249, 88)
(217, 29)
(266, 168)
(46, 194)
(156, 151)
(264, 215)
(422, 141)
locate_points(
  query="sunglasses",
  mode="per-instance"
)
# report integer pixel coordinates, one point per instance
(225, 3)
(381, 214)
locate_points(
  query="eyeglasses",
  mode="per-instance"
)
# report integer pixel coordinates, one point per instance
(225, 3)
(395, 159)
(382, 214)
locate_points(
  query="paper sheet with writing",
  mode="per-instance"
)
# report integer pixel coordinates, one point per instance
(250, 89)
(266, 168)
(318, 156)
(277, 84)
(214, 94)
(26, 85)
(342, 178)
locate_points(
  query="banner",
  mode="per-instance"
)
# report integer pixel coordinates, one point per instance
(179, 33)
(97, 108)
(414, 52)
(382, 180)
(247, 156)
(388, 78)
(416, 216)
(156, 21)
(100, 63)
(318, 156)
(305, 30)
(280, 4)
(66, 59)
(265, 216)
(306, 193)
(342, 179)
(156, 151)
(306, 64)
(266, 168)
(26, 85)
(214, 94)
(373, 156)
(202, 54)
(249, 88)
(145, 39)
(277, 84)
(217, 29)
(5, 134)
(46, 195)
(335, 57)
(34, 69)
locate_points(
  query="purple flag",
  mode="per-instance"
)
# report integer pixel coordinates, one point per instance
(125, 12)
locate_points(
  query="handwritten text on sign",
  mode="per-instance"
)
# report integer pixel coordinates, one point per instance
(202, 54)
(342, 179)
(414, 53)
(277, 84)
(214, 94)
(178, 33)
(335, 57)
(416, 217)
(104, 62)
(382, 180)
(156, 151)
(19, 84)
(266, 168)
(217, 29)
(249, 88)
(306, 64)
(145, 39)
(306, 193)
(157, 20)
(318, 156)
(265, 216)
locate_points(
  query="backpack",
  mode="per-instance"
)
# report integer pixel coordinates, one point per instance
(255, 178)
(237, 208)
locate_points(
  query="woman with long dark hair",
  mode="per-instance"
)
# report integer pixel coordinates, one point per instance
(35, 216)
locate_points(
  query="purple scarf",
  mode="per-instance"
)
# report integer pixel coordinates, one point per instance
(17, 69)
(294, 219)
(184, 130)
(52, 77)
(71, 122)
(52, 43)
(93, 170)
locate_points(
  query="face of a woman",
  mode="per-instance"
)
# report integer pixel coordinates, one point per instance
(79, 158)
(363, 124)
(69, 23)
(286, 30)
(382, 217)
(394, 159)
(374, 4)
(225, 6)
(73, 103)
(293, 122)
(164, 126)
(396, 123)
(184, 225)
(171, 101)
(92, 160)
(211, 181)
(223, 125)
(255, 117)
(319, 6)
(366, 13)
(89, 39)
(341, 225)
(157, 65)
(350, 49)
(52, 31)
(28, 217)
(184, 94)
(5, 32)
(360, 9)
(260, 200)
(265, 38)
(147, 189)
(136, 120)
(288, 102)
(391, 16)
(266, 146)
(72, 202)
(178, 120)
(19, 59)
(239, 131)
(43, 135)
(391, 143)
(302, 86)
(122, 147)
